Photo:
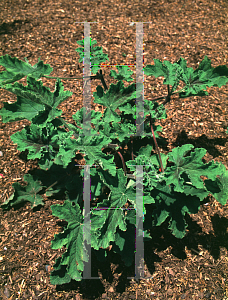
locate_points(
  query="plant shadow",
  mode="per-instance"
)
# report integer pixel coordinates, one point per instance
(162, 238)
(11, 27)
(201, 142)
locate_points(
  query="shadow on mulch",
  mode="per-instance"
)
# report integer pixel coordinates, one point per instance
(12, 27)
(162, 237)
(201, 142)
(161, 240)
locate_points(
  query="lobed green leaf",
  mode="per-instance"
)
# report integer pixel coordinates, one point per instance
(17, 69)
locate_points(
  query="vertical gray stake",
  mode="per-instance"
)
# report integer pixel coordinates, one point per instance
(87, 132)
(139, 80)
(87, 83)
(139, 257)
(87, 226)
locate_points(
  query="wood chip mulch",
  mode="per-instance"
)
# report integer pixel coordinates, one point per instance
(195, 267)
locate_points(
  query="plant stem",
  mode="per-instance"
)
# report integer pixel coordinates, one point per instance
(103, 81)
(97, 76)
(167, 98)
(66, 78)
(179, 90)
(60, 179)
(156, 145)
(123, 162)
(132, 157)
(158, 98)
(67, 126)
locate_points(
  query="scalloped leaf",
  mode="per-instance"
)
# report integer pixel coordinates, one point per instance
(35, 102)
(196, 80)
(71, 263)
(116, 96)
(17, 69)
(204, 76)
(124, 73)
(170, 204)
(191, 165)
(96, 54)
(23, 194)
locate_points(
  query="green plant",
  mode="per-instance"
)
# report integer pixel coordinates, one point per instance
(171, 182)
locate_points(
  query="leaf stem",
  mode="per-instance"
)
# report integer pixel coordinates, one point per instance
(132, 155)
(60, 179)
(180, 90)
(97, 76)
(123, 162)
(158, 98)
(103, 81)
(167, 98)
(67, 126)
(156, 145)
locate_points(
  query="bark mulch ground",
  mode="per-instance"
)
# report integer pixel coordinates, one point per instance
(195, 267)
